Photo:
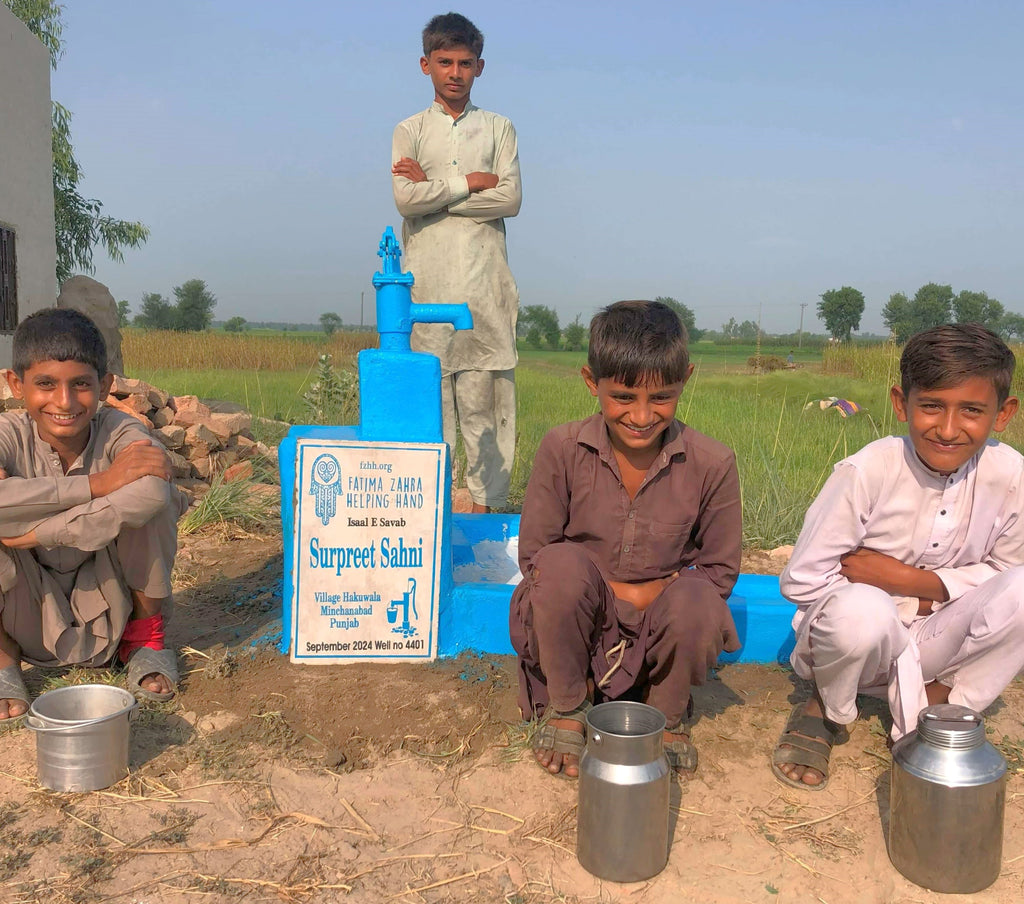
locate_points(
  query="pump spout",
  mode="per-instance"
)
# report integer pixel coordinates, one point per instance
(396, 312)
(456, 314)
(384, 414)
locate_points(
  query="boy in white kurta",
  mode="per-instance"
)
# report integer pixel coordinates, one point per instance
(87, 518)
(907, 572)
(455, 176)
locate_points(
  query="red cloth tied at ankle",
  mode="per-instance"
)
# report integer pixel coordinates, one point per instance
(141, 632)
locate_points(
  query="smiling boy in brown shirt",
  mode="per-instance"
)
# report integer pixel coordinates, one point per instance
(629, 545)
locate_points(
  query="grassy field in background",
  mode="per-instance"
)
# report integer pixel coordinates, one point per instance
(154, 350)
(273, 394)
(785, 449)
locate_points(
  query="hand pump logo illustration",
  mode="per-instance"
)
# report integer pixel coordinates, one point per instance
(407, 602)
(325, 485)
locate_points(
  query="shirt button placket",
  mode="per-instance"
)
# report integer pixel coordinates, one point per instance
(629, 536)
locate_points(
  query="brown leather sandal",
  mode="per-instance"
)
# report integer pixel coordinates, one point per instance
(805, 741)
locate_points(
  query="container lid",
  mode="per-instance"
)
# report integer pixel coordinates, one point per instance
(951, 726)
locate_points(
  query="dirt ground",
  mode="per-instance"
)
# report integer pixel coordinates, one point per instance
(363, 783)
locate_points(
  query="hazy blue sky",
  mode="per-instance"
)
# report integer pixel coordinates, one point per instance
(736, 156)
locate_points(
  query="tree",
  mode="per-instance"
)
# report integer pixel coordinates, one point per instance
(330, 322)
(685, 314)
(931, 306)
(156, 313)
(574, 336)
(747, 331)
(840, 310)
(1012, 325)
(235, 325)
(80, 222)
(194, 309)
(977, 307)
(123, 312)
(540, 322)
(897, 316)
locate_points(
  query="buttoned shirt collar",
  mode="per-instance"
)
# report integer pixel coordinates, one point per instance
(79, 462)
(439, 109)
(594, 435)
(929, 476)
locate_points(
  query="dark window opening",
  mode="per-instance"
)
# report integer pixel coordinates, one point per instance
(8, 281)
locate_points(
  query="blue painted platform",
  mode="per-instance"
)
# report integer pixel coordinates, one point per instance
(476, 616)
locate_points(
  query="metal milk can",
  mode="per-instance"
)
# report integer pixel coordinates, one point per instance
(946, 799)
(622, 818)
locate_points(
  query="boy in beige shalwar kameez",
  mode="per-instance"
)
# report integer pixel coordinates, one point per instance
(87, 518)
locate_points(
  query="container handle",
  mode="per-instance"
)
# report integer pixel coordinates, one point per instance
(34, 723)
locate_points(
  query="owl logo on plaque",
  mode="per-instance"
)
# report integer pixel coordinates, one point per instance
(325, 485)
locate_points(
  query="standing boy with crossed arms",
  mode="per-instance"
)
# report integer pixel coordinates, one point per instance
(455, 176)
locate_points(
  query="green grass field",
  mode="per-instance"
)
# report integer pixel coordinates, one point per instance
(784, 449)
(275, 394)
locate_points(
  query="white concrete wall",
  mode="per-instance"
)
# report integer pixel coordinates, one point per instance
(26, 166)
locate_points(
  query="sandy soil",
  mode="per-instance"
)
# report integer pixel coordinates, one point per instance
(266, 781)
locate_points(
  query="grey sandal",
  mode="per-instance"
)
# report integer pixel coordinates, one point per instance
(12, 687)
(681, 754)
(562, 740)
(147, 661)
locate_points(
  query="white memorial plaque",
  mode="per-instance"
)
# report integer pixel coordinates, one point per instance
(367, 551)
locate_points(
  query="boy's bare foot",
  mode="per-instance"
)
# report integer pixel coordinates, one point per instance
(10, 679)
(797, 772)
(156, 683)
(557, 760)
(11, 708)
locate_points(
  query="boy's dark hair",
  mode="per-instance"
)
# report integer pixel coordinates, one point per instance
(634, 341)
(452, 30)
(59, 334)
(945, 356)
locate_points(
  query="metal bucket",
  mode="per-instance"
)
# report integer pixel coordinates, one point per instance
(81, 736)
(622, 818)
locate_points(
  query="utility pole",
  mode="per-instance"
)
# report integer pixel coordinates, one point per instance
(361, 294)
(800, 335)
